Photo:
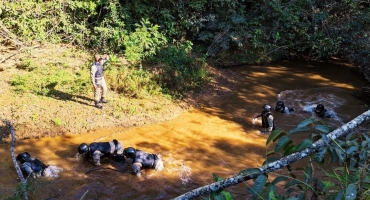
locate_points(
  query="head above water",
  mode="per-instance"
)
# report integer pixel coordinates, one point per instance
(279, 106)
(319, 109)
(83, 148)
(129, 152)
(22, 157)
(266, 107)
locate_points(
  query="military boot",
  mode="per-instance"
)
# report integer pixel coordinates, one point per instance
(97, 104)
(102, 100)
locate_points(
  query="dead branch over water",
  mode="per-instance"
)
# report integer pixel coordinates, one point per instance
(283, 162)
(17, 168)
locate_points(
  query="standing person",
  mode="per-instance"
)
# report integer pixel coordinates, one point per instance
(267, 118)
(98, 81)
(97, 150)
(141, 159)
(280, 107)
(35, 168)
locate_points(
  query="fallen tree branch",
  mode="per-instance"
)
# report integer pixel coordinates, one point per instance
(6, 58)
(18, 52)
(17, 168)
(283, 162)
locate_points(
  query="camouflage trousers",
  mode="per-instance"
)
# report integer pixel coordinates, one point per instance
(101, 90)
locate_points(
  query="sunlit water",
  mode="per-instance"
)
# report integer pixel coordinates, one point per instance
(217, 137)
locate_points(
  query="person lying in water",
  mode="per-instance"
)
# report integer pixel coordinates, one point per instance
(280, 107)
(98, 150)
(34, 168)
(141, 159)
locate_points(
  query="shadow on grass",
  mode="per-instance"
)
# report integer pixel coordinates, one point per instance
(59, 95)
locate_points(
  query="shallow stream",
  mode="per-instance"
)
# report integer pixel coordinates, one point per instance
(216, 137)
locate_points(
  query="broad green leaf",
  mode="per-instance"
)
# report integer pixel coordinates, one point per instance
(216, 178)
(250, 171)
(275, 134)
(366, 136)
(348, 137)
(320, 154)
(305, 123)
(351, 192)
(333, 154)
(279, 179)
(325, 138)
(365, 144)
(341, 155)
(271, 193)
(304, 144)
(223, 195)
(363, 154)
(308, 173)
(281, 143)
(291, 149)
(351, 149)
(297, 130)
(340, 195)
(323, 128)
(259, 183)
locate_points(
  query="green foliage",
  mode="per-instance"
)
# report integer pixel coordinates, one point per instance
(349, 179)
(144, 42)
(17, 193)
(52, 80)
(132, 82)
(57, 121)
(249, 31)
(177, 70)
(219, 194)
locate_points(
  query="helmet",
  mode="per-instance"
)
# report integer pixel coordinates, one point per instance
(83, 148)
(319, 108)
(129, 152)
(279, 106)
(266, 107)
(22, 157)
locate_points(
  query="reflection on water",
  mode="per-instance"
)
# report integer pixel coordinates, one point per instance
(218, 137)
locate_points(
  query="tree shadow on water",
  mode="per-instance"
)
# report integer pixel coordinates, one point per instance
(59, 95)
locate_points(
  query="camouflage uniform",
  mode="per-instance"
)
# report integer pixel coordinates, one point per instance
(141, 159)
(97, 79)
(98, 150)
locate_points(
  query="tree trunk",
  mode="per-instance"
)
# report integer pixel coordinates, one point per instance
(17, 168)
(270, 167)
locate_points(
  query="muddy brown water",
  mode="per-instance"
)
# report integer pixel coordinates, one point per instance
(217, 137)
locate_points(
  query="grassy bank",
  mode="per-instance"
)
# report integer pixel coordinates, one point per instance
(46, 91)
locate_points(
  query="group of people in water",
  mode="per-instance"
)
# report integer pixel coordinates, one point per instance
(33, 167)
(268, 122)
